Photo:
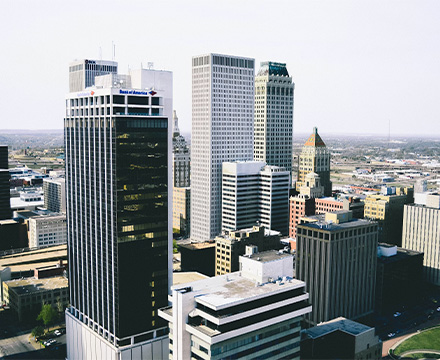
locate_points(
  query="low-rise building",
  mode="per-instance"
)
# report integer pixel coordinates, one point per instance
(340, 338)
(182, 210)
(47, 230)
(232, 244)
(198, 256)
(253, 313)
(27, 296)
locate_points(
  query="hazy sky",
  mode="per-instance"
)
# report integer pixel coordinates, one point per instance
(356, 64)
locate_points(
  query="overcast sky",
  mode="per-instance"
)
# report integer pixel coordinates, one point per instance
(356, 64)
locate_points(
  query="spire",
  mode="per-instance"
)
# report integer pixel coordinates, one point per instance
(176, 131)
(314, 139)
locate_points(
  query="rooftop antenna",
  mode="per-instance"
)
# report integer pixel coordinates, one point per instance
(150, 65)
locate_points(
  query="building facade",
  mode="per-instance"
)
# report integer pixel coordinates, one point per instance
(82, 73)
(336, 257)
(315, 157)
(55, 194)
(273, 124)
(253, 192)
(181, 210)
(421, 232)
(47, 230)
(231, 245)
(118, 152)
(5, 204)
(222, 130)
(181, 157)
(259, 321)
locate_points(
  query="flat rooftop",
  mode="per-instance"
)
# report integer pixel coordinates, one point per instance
(223, 291)
(32, 285)
(321, 224)
(186, 277)
(339, 324)
(198, 245)
(267, 256)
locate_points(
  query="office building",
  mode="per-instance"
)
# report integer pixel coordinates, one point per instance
(273, 124)
(254, 313)
(47, 230)
(303, 204)
(119, 215)
(356, 341)
(315, 157)
(222, 131)
(336, 258)
(421, 232)
(253, 192)
(198, 256)
(181, 210)
(181, 157)
(54, 190)
(231, 245)
(26, 296)
(5, 205)
(82, 73)
(399, 277)
(387, 209)
(13, 235)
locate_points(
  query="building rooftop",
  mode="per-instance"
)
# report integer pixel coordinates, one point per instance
(267, 256)
(32, 285)
(320, 223)
(186, 277)
(223, 291)
(272, 68)
(314, 139)
(339, 324)
(198, 245)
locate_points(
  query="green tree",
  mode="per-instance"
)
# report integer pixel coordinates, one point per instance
(48, 315)
(37, 331)
(175, 248)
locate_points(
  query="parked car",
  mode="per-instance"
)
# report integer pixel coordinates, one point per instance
(396, 314)
(390, 335)
(57, 333)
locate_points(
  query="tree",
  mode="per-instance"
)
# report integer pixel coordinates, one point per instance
(37, 331)
(48, 315)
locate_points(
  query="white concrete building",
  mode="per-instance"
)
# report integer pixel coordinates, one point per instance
(82, 72)
(273, 126)
(47, 230)
(222, 130)
(421, 232)
(255, 192)
(253, 313)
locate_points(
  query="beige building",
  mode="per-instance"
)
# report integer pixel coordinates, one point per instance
(47, 230)
(387, 209)
(230, 246)
(181, 210)
(315, 158)
(26, 296)
(421, 232)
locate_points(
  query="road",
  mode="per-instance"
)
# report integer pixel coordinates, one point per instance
(15, 345)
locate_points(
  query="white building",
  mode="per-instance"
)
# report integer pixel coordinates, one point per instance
(273, 126)
(421, 232)
(222, 130)
(255, 192)
(252, 313)
(47, 230)
(31, 200)
(55, 194)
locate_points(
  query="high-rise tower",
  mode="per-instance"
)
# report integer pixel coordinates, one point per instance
(222, 130)
(5, 196)
(181, 157)
(315, 158)
(82, 73)
(273, 125)
(118, 152)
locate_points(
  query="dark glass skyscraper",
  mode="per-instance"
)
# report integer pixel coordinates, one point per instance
(5, 196)
(117, 156)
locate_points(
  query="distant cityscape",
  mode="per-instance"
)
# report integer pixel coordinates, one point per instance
(122, 237)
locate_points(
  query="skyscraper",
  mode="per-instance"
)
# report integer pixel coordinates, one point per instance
(118, 152)
(82, 73)
(181, 156)
(336, 258)
(5, 196)
(273, 126)
(315, 157)
(222, 130)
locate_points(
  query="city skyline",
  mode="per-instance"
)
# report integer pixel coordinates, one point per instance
(357, 67)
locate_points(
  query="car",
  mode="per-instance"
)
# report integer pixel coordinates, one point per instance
(390, 335)
(49, 342)
(396, 314)
(438, 309)
(57, 333)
